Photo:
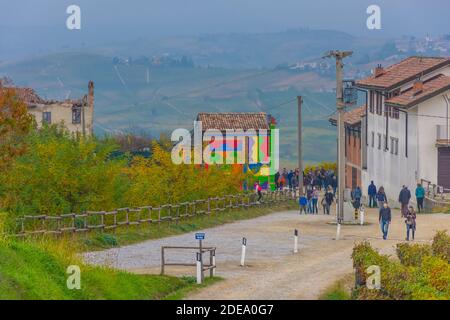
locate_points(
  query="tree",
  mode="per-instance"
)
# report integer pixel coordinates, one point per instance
(15, 123)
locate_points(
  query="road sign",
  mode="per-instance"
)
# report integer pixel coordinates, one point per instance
(199, 236)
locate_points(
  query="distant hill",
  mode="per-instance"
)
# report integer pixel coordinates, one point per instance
(157, 86)
(158, 100)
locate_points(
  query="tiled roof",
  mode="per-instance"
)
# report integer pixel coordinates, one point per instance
(27, 95)
(351, 117)
(404, 71)
(431, 87)
(224, 121)
(31, 98)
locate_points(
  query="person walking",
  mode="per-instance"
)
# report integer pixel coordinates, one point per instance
(334, 184)
(381, 197)
(329, 198)
(309, 194)
(410, 222)
(303, 202)
(281, 182)
(290, 176)
(420, 196)
(258, 190)
(323, 202)
(385, 219)
(315, 200)
(277, 180)
(372, 192)
(403, 198)
(356, 196)
(285, 177)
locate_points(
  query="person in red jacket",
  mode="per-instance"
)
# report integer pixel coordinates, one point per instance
(258, 190)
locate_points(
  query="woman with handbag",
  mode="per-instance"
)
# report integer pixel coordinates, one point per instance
(410, 222)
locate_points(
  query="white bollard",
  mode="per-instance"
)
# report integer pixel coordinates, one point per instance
(361, 217)
(199, 269)
(244, 245)
(338, 231)
(296, 241)
(214, 263)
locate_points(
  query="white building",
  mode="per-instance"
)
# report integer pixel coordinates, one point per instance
(406, 127)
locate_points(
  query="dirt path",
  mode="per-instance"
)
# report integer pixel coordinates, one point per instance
(273, 271)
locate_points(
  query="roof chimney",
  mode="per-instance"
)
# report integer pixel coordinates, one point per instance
(418, 86)
(379, 70)
(90, 99)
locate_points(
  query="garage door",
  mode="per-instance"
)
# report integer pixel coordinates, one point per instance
(444, 167)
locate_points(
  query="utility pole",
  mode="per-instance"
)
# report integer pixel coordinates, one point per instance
(300, 154)
(340, 106)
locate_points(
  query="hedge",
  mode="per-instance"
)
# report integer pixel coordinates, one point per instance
(422, 272)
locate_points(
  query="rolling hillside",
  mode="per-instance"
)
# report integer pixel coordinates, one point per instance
(158, 100)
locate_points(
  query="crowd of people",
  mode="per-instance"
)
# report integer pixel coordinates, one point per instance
(319, 178)
(407, 211)
(316, 181)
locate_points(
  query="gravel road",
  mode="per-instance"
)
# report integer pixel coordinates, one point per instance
(273, 271)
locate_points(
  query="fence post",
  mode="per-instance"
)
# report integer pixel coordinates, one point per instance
(199, 268)
(162, 261)
(212, 263)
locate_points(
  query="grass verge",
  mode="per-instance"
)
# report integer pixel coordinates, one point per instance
(134, 234)
(340, 290)
(38, 271)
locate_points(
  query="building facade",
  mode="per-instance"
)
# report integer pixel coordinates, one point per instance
(76, 115)
(353, 145)
(406, 127)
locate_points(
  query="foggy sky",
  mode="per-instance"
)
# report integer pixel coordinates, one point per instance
(25, 22)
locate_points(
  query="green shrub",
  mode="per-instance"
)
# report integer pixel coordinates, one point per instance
(418, 275)
(336, 292)
(413, 254)
(108, 240)
(441, 245)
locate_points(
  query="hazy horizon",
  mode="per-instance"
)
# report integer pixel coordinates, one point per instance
(32, 27)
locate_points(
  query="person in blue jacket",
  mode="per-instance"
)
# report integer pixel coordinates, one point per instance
(303, 202)
(356, 197)
(372, 192)
(381, 197)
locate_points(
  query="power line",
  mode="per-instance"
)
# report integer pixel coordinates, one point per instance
(280, 105)
(216, 85)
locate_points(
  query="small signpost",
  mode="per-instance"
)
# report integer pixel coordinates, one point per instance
(200, 236)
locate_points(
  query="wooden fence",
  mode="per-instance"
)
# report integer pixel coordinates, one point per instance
(125, 217)
(434, 191)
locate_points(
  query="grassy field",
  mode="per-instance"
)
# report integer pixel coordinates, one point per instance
(38, 271)
(134, 234)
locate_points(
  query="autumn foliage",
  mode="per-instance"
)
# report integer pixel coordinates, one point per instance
(62, 173)
(15, 123)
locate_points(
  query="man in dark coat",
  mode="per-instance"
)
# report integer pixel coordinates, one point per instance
(385, 219)
(403, 198)
(372, 192)
(277, 177)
